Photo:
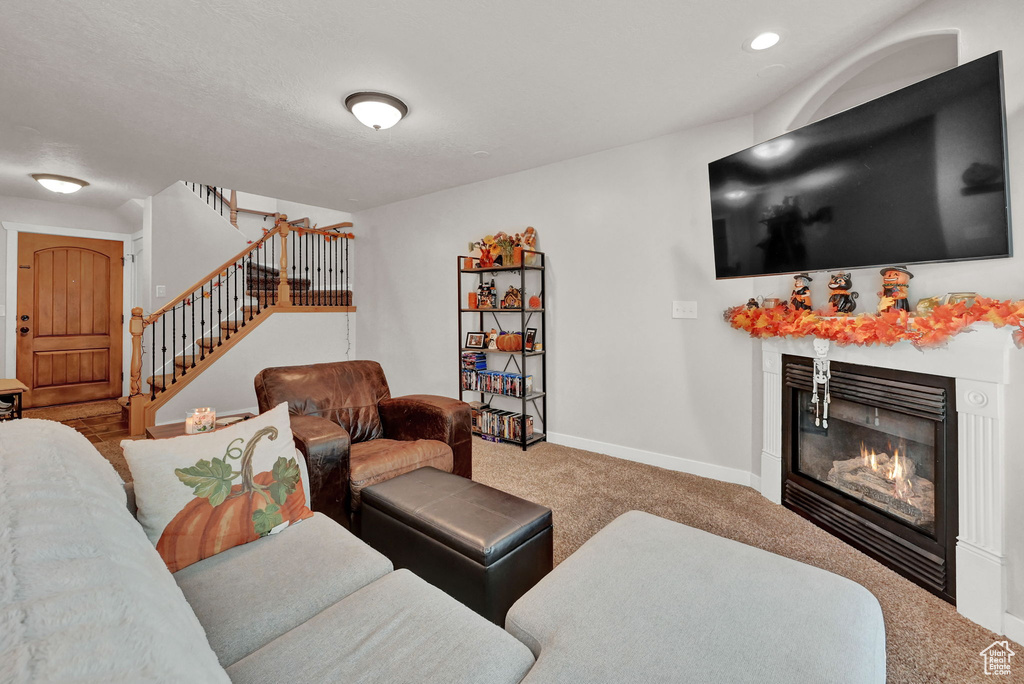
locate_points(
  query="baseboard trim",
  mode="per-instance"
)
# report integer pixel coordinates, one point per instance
(683, 465)
(1013, 627)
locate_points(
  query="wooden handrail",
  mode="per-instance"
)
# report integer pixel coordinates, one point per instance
(327, 233)
(333, 226)
(153, 317)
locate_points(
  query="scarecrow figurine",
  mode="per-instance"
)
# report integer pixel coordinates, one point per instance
(801, 297)
(752, 303)
(895, 282)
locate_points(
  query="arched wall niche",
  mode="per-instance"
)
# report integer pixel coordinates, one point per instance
(881, 72)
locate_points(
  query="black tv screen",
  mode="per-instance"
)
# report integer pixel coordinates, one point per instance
(915, 176)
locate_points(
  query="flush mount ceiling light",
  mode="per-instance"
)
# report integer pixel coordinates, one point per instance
(763, 41)
(65, 185)
(376, 110)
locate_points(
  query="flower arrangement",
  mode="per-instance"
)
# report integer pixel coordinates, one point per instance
(888, 328)
(502, 246)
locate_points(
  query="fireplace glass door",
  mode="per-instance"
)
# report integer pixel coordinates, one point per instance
(883, 458)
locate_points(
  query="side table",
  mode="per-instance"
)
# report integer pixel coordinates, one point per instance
(178, 429)
(10, 398)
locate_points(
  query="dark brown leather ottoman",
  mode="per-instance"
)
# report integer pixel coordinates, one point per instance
(482, 546)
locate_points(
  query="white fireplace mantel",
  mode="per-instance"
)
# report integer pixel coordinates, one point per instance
(979, 361)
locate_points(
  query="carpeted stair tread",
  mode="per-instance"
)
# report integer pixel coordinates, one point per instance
(209, 342)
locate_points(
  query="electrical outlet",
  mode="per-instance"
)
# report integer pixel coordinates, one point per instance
(684, 309)
(161, 290)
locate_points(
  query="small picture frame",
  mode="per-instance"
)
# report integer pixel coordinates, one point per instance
(475, 340)
(528, 342)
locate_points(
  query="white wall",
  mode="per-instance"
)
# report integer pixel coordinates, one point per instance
(626, 232)
(57, 214)
(983, 28)
(188, 241)
(284, 339)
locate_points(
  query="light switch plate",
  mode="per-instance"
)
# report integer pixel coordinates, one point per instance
(684, 309)
(161, 290)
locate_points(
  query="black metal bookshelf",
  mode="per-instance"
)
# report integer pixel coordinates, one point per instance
(530, 281)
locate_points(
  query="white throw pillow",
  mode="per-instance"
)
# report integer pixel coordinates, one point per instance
(201, 494)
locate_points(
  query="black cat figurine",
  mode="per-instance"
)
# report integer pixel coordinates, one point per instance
(841, 298)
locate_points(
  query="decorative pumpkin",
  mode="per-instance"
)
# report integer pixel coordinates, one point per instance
(534, 302)
(510, 341)
(224, 515)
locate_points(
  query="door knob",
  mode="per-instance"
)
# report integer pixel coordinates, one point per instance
(24, 331)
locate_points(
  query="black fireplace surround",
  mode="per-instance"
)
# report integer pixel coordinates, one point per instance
(882, 475)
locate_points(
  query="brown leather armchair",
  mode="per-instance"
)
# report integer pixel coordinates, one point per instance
(353, 433)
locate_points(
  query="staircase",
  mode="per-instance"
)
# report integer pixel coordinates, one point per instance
(199, 326)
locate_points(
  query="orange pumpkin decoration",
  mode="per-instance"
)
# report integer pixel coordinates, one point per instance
(510, 341)
(202, 529)
(534, 302)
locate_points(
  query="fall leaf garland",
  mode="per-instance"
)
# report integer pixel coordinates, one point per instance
(933, 330)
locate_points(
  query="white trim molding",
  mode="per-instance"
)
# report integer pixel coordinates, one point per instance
(677, 463)
(771, 427)
(10, 339)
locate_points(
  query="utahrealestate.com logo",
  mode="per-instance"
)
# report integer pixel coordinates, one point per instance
(997, 658)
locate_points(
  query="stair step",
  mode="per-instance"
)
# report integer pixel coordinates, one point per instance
(209, 342)
(233, 326)
(186, 360)
(162, 381)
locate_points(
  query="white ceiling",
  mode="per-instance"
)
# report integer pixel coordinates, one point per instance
(132, 96)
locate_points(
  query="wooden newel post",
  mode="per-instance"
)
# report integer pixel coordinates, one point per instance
(233, 205)
(135, 327)
(284, 293)
(136, 400)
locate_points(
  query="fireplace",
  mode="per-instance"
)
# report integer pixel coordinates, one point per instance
(880, 470)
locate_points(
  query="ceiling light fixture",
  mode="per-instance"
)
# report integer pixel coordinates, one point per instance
(65, 185)
(764, 41)
(376, 110)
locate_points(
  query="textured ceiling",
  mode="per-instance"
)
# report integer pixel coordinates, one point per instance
(132, 96)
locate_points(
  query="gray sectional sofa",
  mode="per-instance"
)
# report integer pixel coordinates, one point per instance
(85, 597)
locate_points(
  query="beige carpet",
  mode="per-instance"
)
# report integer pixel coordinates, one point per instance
(927, 640)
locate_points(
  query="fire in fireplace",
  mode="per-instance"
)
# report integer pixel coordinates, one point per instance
(880, 475)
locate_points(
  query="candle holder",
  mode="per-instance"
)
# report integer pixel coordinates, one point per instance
(200, 420)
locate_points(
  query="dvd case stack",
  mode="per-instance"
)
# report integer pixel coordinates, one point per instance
(496, 382)
(503, 424)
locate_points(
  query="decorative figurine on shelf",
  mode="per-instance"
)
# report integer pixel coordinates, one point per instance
(530, 245)
(513, 298)
(841, 298)
(492, 295)
(895, 282)
(822, 375)
(483, 296)
(801, 297)
(492, 339)
(752, 303)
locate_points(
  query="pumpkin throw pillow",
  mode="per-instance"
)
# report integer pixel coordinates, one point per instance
(199, 495)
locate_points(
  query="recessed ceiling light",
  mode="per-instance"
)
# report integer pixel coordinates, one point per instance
(65, 185)
(376, 110)
(764, 41)
(736, 194)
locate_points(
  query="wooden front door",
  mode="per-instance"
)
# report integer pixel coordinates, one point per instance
(69, 318)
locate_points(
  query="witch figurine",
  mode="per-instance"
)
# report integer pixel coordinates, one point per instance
(895, 283)
(801, 297)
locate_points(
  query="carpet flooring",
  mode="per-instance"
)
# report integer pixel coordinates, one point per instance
(927, 640)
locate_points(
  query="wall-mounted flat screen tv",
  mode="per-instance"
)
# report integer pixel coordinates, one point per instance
(919, 175)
